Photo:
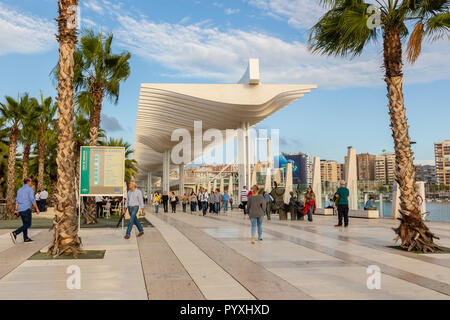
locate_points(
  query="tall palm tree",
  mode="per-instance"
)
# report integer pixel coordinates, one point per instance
(65, 239)
(15, 114)
(344, 31)
(29, 135)
(4, 142)
(130, 164)
(98, 74)
(45, 123)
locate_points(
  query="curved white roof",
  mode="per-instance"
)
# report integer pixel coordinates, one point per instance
(165, 107)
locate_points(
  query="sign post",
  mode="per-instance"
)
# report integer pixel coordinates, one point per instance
(102, 173)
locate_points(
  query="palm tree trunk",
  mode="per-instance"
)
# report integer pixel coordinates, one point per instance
(26, 160)
(94, 121)
(11, 180)
(94, 126)
(41, 159)
(65, 239)
(412, 232)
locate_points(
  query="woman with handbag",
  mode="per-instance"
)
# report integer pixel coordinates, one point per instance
(310, 204)
(156, 201)
(256, 209)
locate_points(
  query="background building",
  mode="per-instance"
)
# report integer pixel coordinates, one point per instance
(366, 166)
(385, 168)
(442, 161)
(330, 171)
(426, 173)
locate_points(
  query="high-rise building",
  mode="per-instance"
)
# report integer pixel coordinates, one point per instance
(330, 171)
(426, 173)
(366, 166)
(380, 169)
(385, 168)
(442, 161)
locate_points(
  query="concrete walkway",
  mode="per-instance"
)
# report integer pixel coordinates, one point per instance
(188, 256)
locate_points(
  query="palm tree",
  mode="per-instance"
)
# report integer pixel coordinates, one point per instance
(45, 123)
(65, 239)
(15, 114)
(29, 135)
(4, 142)
(98, 74)
(344, 31)
(130, 164)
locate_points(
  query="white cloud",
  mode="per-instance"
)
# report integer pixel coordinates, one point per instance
(93, 5)
(298, 13)
(20, 33)
(207, 52)
(230, 11)
(203, 51)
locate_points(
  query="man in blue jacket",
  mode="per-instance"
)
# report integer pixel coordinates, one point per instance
(24, 200)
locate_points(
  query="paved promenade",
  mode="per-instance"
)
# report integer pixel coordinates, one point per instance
(188, 256)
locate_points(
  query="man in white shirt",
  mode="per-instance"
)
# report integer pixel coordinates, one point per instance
(37, 197)
(203, 198)
(244, 198)
(44, 197)
(99, 202)
(135, 200)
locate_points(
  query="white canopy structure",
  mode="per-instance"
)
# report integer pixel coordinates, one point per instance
(164, 108)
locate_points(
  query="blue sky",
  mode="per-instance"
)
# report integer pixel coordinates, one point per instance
(201, 41)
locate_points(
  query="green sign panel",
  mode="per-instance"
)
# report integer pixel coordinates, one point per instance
(102, 171)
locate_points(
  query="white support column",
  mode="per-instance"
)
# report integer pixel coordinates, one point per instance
(395, 213)
(149, 184)
(181, 179)
(420, 186)
(351, 179)
(288, 179)
(317, 182)
(269, 154)
(248, 152)
(242, 168)
(222, 185)
(166, 168)
(268, 185)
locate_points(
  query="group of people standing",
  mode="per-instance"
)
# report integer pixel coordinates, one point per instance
(215, 201)
(339, 201)
(41, 199)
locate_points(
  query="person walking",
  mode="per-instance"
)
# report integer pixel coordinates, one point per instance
(211, 202)
(156, 201)
(184, 201)
(217, 201)
(267, 200)
(342, 198)
(203, 199)
(225, 199)
(256, 211)
(24, 200)
(134, 201)
(173, 202)
(99, 205)
(231, 202)
(244, 199)
(44, 197)
(193, 201)
(310, 204)
(165, 201)
(37, 196)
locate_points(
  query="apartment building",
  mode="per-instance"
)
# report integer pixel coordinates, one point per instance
(442, 162)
